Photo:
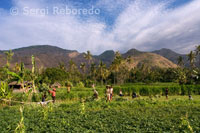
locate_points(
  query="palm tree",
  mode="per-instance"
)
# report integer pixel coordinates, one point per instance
(129, 59)
(88, 56)
(9, 54)
(73, 71)
(116, 65)
(93, 71)
(180, 61)
(83, 67)
(198, 53)
(191, 58)
(62, 66)
(72, 66)
(102, 71)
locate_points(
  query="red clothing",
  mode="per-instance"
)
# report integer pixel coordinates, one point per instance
(53, 93)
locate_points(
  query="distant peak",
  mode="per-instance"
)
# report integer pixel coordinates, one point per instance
(133, 49)
(108, 52)
(43, 47)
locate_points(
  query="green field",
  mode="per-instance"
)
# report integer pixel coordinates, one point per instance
(143, 114)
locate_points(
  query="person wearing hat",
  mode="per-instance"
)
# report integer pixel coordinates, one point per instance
(53, 94)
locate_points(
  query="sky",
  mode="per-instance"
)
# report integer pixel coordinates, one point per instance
(99, 25)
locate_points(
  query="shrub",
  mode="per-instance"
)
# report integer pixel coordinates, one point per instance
(35, 97)
(80, 84)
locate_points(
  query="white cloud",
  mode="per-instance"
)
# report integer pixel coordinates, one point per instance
(141, 25)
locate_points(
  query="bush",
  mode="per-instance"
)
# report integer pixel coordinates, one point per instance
(68, 83)
(80, 84)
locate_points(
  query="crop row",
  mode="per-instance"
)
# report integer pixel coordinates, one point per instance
(146, 90)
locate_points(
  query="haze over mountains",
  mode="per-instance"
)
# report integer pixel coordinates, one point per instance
(51, 56)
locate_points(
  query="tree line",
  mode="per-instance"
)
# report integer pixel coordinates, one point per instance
(89, 72)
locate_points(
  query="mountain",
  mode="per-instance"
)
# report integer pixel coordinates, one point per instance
(171, 55)
(45, 56)
(107, 56)
(51, 56)
(149, 59)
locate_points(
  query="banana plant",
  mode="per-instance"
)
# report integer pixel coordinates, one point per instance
(19, 77)
(5, 92)
(9, 54)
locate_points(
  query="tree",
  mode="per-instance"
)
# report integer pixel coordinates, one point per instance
(62, 66)
(191, 59)
(102, 71)
(88, 57)
(93, 71)
(197, 51)
(116, 65)
(74, 73)
(9, 54)
(129, 59)
(180, 61)
(55, 75)
(83, 67)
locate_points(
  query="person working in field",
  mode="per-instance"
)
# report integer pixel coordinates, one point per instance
(121, 93)
(93, 86)
(166, 93)
(108, 93)
(96, 94)
(68, 87)
(53, 94)
(111, 92)
(44, 96)
(134, 95)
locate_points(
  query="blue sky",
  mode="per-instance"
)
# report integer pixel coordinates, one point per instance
(108, 18)
(122, 24)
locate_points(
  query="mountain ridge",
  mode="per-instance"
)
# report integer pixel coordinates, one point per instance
(51, 56)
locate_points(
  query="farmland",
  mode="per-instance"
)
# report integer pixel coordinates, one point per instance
(77, 97)
(77, 111)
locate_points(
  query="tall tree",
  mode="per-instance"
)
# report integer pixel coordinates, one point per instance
(129, 59)
(74, 73)
(180, 61)
(93, 71)
(102, 71)
(191, 59)
(9, 54)
(88, 56)
(116, 65)
(197, 51)
(62, 66)
(83, 67)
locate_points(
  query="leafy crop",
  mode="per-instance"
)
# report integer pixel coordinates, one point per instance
(146, 90)
(139, 115)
